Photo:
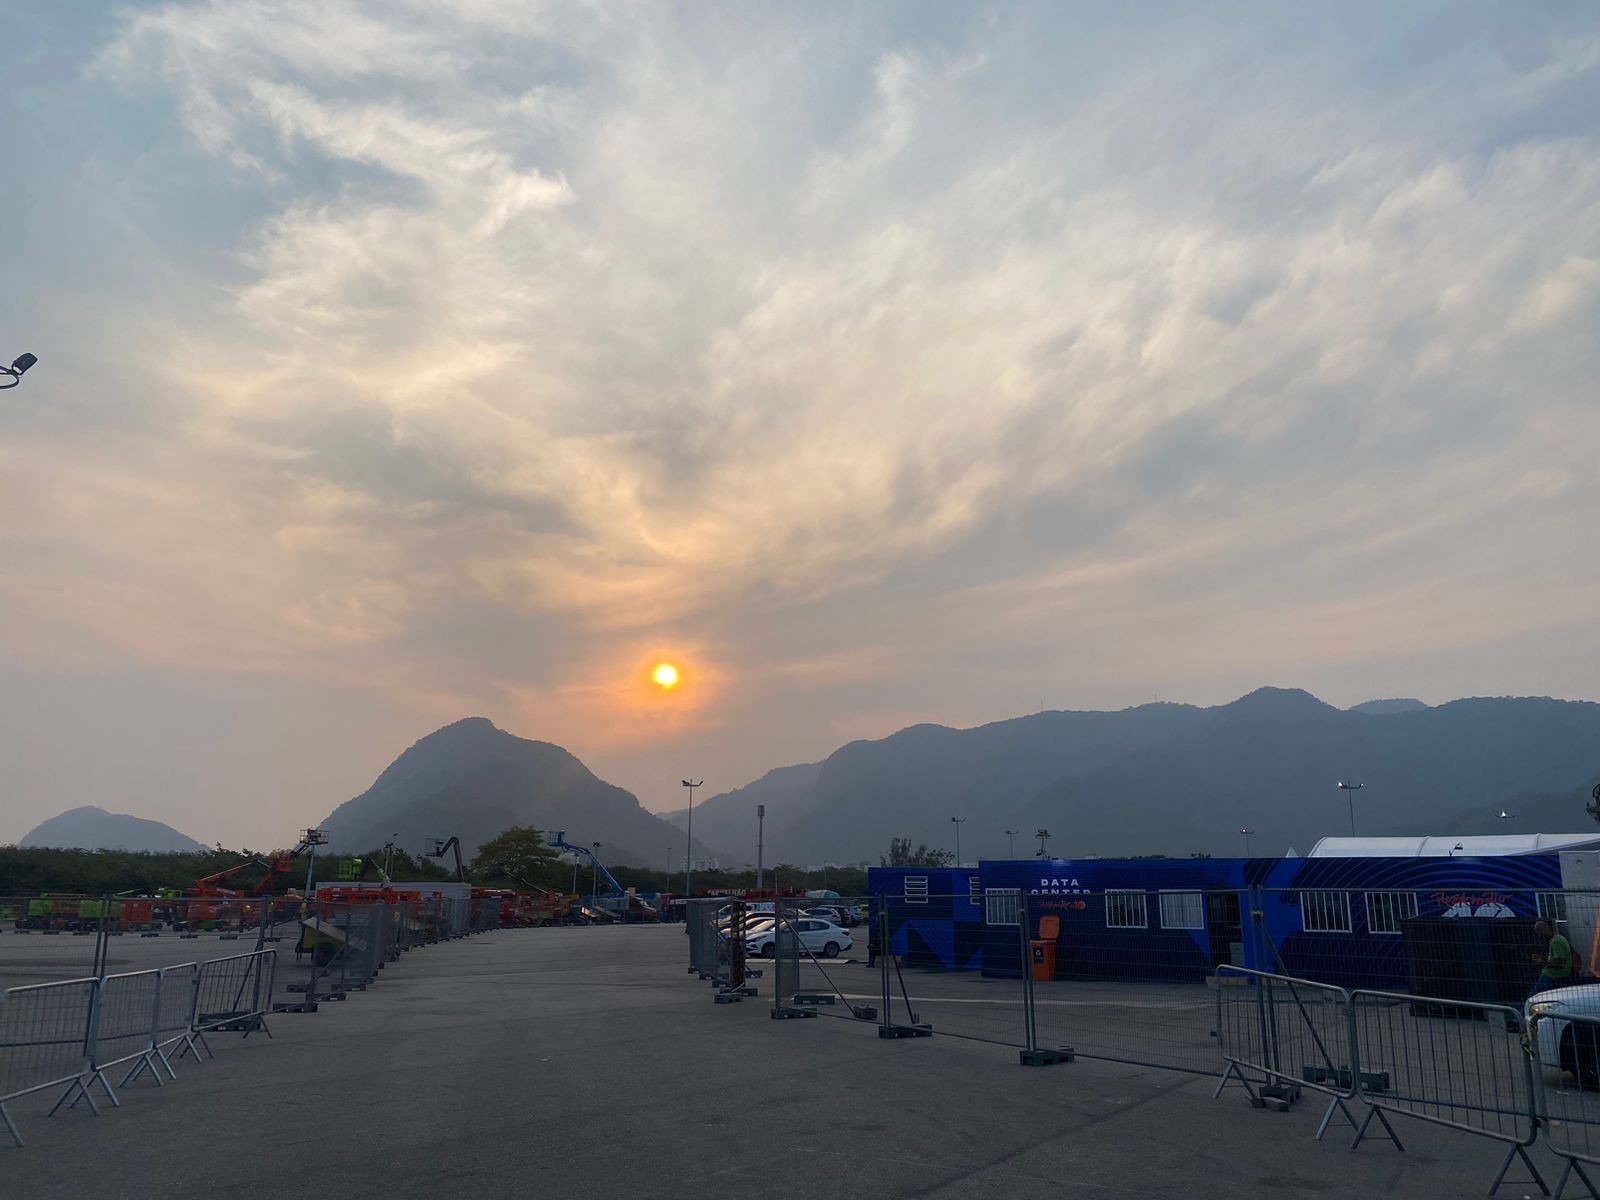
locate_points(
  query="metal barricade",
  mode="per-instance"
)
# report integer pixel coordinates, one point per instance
(1449, 1062)
(700, 922)
(126, 1012)
(234, 994)
(46, 1041)
(930, 978)
(173, 1033)
(1294, 1034)
(1569, 1113)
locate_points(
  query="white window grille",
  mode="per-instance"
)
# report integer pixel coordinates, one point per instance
(1181, 910)
(1385, 910)
(1325, 912)
(1553, 906)
(1126, 910)
(916, 889)
(1002, 906)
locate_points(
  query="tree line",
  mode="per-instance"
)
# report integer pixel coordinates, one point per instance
(517, 858)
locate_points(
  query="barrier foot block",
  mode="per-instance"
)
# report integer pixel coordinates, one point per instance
(1045, 1056)
(906, 1031)
(793, 1014)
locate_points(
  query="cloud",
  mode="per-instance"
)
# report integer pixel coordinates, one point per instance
(627, 322)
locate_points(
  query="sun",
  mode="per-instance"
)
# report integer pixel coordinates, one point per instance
(666, 675)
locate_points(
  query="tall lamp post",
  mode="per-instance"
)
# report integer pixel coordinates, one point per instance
(761, 828)
(1011, 843)
(18, 368)
(1247, 833)
(1350, 790)
(688, 854)
(594, 872)
(958, 822)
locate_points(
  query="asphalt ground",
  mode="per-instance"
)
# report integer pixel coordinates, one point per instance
(586, 1061)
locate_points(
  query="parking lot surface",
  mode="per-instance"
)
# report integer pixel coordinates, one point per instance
(586, 1062)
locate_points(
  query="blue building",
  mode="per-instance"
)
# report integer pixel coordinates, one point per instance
(1400, 922)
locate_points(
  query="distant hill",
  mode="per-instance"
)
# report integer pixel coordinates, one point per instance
(471, 780)
(729, 818)
(1179, 779)
(1384, 708)
(91, 828)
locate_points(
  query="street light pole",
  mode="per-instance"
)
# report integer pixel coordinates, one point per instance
(594, 873)
(761, 826)
(958, 822)
(1247, 833)
(1011, 843)
(688, 855)
(1350, 790)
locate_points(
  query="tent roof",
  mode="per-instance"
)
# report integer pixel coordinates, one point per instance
(1443, 845)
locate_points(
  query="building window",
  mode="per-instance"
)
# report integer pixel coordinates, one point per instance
(916, 889)
(1002, 906)
(1553, 906)
(1325, 912)
(1385, 910)
(1181, 910)
(1126, 910)
(974, 889)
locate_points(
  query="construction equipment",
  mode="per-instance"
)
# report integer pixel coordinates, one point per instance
(438, 849)
(634, 909)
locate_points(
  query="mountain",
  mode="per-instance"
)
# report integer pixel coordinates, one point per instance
(472, 781)
(1384, 708)
(728, 819)
(91, 828)
(1180, 779)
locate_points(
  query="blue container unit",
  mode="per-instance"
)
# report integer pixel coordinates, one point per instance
(936, 916)
(1347, 921)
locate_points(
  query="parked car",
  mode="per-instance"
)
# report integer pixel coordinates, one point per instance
(837, 913)
(1570, 1046)
(816, 935)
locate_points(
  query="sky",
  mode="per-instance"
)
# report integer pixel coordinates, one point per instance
(874, 364)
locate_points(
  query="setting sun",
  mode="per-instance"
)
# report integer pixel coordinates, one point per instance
(666, 675)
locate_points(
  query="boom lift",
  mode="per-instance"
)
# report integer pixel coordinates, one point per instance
(633, 906)
(438, 849)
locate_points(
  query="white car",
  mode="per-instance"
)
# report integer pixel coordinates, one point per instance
(1570, 1046)
(816, 935)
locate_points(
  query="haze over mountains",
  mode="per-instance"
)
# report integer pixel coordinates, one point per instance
(91, 828)
(1178, 779)
(1156, 779)
(472, 780)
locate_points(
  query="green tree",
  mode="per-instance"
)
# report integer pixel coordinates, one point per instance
(517, 854)
(902, 855)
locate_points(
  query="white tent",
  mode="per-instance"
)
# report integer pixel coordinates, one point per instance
(1477, 846)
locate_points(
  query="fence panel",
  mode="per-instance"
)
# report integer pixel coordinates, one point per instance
(700, 923)
(1292, 1033)
(813, 972)
(174, 1024)
(955, 1000)
(1121, 976)
(235, 993)
(46, 1040)
(125, 1026)
(1568, 1044)
(1448, 1062)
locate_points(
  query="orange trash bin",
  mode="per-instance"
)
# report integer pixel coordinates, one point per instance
(1043, 949)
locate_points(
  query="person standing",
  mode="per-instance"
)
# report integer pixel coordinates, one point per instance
(1556, 961)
